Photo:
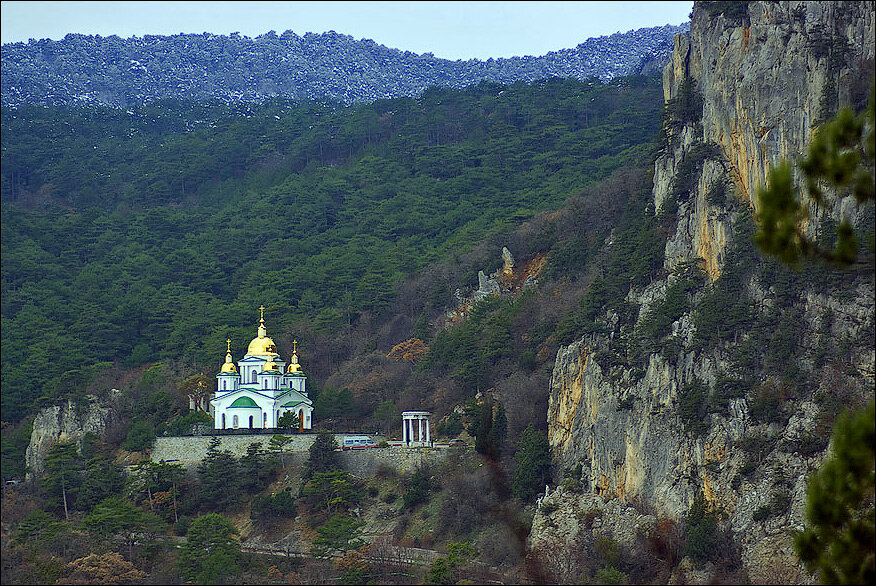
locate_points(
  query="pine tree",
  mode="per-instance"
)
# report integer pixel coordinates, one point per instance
(498, 432)
(210, 554)
(533, 464)
(838, 543)
(220, 478)
(254, 469)
(63, 474)
(484, 426)
(322, 456)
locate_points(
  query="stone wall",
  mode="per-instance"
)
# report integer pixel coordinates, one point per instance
(364, 463)
(190, 450)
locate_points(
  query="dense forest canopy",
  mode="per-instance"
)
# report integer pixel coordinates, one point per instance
(131, 236)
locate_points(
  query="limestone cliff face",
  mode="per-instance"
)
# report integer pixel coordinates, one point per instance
(767, 80)
(66, 422)
(764, 81)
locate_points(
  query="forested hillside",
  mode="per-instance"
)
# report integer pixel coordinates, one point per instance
(131, 237)
(93, 70)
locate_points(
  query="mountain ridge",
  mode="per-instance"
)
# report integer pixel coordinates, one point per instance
(85, 69)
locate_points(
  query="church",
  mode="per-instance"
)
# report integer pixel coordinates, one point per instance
(257, 391)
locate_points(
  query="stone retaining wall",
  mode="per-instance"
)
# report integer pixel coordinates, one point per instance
(364, 463)
(190, 450)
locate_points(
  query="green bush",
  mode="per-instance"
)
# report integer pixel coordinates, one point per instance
(693, 407)
(141, 434)
(687, 105)
(687, 172)
(610, 575)
(701, 531)
(766, 402)
(417, 489)
(273, 506)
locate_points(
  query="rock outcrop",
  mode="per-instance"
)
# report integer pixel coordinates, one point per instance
(764, 80)
(67, 422)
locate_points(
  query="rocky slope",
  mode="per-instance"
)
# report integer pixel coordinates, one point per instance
(687, 416)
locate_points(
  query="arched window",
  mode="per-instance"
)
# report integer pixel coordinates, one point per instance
(223, 385)
(234, 422)
(250, 421)
(255, 375)
(265, 422)
(223, 421)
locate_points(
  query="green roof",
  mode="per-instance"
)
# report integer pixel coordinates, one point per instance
(291, 404)
(244, 403)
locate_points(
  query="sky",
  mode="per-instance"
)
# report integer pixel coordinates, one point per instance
(450, 30)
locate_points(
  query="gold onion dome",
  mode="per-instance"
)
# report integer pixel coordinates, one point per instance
(269, 366)
(262, 345)
(294, 367)
(229, 364)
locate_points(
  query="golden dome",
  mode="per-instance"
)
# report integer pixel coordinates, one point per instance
(294, 367)
(269, 365)
(262, 345)
(229, 364)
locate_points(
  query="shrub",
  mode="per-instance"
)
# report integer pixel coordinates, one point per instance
(549, 508)
(693, 407)
(701, 526)
(686, 106)
(418, 489)
(717, 194)
(766, 402)
(762, 513)
(610, 575)
(273, 506)
(140, 437)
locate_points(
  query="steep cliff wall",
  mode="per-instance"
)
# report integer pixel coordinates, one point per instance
(67, 422)
(744, 418)
(770, 77)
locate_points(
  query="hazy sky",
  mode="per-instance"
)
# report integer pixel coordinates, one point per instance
(451, 30)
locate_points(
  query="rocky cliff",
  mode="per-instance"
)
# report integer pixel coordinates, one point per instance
(734, 397)
(67, 422)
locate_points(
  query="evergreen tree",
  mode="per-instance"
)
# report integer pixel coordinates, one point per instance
(277, 444)
(339, 533)
(498, 432)
(838, 543)
(418, 488)
(102, 479)
(533, 464)
(483, 429)
(255, 470)
(289, 420)
(220, 478)
(322, 456)
(117, 516)
(210, 555)
(63, 475)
